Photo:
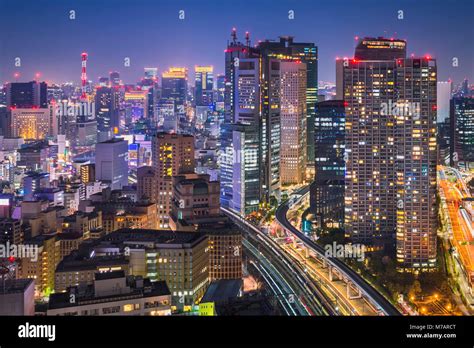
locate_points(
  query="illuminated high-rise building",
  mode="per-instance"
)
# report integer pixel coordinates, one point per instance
(327, 190)
(172, 154)
(174, 86)
(444, 91)
(259, 90)
(292, 122)
(220, 88)
(234, 52)
(390, 105)
(415, 164)
(106, 112)
(462, 131)
(204, 76)
(368, 83)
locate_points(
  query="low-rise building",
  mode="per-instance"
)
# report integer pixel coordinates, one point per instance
(113, 294)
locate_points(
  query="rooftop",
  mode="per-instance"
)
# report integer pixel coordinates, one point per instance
(222, 290)
(85, 295)
(16, 286)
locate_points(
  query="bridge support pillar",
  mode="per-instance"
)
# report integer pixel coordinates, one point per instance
(330, 273)
(348, 292)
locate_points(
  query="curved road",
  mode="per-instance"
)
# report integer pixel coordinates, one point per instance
(367, 290)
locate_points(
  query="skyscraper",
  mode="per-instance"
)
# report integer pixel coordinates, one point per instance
(234, 52)
(416, 158)
(172, 154)
(174, 85)
(204, 76)
(293, 122)
(444, 90)
(246, 169)
(390, 105)
(253, 96)
(367, 83)
(327, 190)
(106, 111)
(462, 130)
(220, 88)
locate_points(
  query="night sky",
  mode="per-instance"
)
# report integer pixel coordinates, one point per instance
(150, 33)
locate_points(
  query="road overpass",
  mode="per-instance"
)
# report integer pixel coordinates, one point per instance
(336, 267)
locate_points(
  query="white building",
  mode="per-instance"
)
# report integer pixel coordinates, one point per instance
(444, 89)
(111, 162)
(113, 294)
(17, 298)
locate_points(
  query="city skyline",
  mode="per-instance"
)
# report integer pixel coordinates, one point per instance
(54, 52)
(250, 158)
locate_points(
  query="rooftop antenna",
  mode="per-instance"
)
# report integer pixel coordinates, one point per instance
(234, 35)
(83, 76)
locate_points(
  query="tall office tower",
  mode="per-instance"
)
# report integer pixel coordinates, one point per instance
(273, 52)
(327, 190)
(269, 54)
(444, 90)
(220, 84)
(174, 86)
(136, 105)
(226, 164)
(27, 95)
(31, 124)
(106, 112)
(416, 158)
(114, 78)
(204, 76)
(111, 162)
(462, 131)
(307, 53)
(246, 170)
(367, 83)
(246, 167)
(235, 51)
(172, 154)
(293, 122)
